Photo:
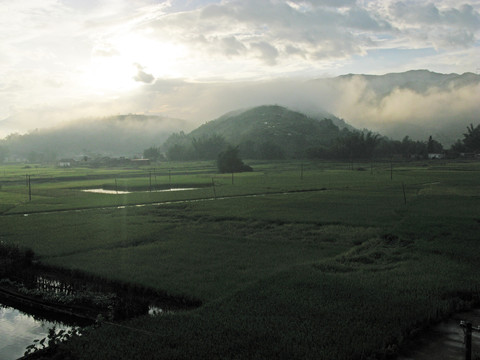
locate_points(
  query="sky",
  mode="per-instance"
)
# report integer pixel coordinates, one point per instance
(192, 59)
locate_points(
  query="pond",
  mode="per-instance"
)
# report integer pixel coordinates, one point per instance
(18, 330)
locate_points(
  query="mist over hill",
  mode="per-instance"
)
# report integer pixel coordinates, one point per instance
(122, 135)
(265, 132)
(419, 81)
(416, 103)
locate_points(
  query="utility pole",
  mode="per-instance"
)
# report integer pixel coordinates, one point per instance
(29, 189)
(467, 330)
(214, 192)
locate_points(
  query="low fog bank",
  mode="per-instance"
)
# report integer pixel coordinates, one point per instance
(417, 109)
(415, 103)
(123, 135)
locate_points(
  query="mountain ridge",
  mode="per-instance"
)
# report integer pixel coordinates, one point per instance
(415, 103)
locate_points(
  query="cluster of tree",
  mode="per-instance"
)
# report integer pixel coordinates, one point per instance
(179, 147)
(470, 142)
(228, 161)
(348, 145)
(265, 150)
(352, 145)
(182, 148)
(153, 153)
(366, 145)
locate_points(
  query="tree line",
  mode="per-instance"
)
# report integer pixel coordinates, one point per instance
(348, 145)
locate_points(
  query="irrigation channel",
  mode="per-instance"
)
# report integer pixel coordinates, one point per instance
(113, 193)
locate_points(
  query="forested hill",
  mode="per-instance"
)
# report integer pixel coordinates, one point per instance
(267, 132)
(122, 135)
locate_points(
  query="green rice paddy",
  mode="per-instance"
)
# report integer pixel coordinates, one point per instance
(293, 261)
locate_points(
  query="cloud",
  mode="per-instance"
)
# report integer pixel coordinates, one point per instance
(445, 27)
(442, 111)
(393, 110)
(78, 55)
(231, 46)
(270, 30)
(105, 50)
(429, 14)
(331, 3)
(142, 76)
(267, 52)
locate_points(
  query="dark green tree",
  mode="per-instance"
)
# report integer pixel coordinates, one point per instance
(433, 146)
(208, 148)
(229, 162)
(458, 147)
(411, 148)
(471, 139)
(356, 145)
(270, 151)
(179, 152)
(153, 153)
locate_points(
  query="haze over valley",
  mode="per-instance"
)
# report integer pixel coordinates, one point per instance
(417, 104)
(239, 179)
(198, 60)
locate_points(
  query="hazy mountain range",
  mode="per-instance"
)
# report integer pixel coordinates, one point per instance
(123, 135)
(416, 103)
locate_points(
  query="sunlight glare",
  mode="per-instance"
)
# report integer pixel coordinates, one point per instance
(116, 71)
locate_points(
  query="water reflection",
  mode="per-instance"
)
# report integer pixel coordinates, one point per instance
(444, 341)
(119, 192)
(18, 330)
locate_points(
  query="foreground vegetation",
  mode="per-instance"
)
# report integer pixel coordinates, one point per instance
(307, 261)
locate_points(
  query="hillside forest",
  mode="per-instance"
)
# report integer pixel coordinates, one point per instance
(273, 133)
(269, 132)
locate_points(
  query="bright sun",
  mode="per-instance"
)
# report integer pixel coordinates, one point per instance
(113, 68)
